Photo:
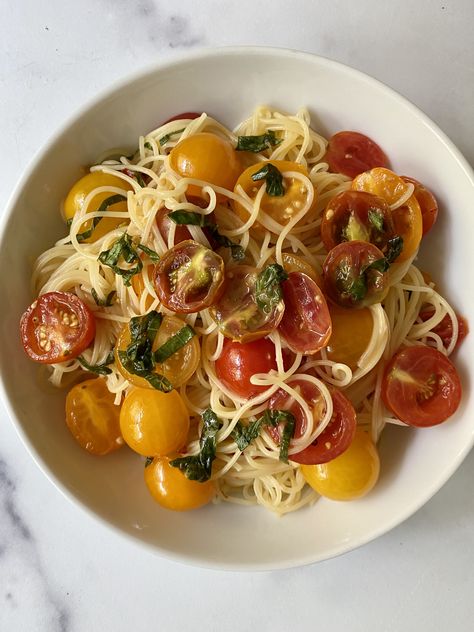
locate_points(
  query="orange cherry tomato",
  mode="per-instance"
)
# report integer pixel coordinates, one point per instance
(351, 333)
(93, 418)
(58, 326)
(408, 224)
(351, 153)
(381, 182)
(294, 263)
(172, 490)
(427, 202)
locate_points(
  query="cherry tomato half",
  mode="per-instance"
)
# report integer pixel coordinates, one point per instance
(351, 153)
(381, 182)
(58, 326)
(351, 334)
(238, 362)
(93, 418)
(349, 476)
(172, 490)
(335, 438)
(154, 423)
(356, 215)
(444, 329)
(293, 263)
(306, 323)
(76, 197)
(189, 277)
(350, 278)
(183, 116)
(206, 157)
(427, 202)
(421, 386)
(237, 313)
(281, 208)
(181, 232)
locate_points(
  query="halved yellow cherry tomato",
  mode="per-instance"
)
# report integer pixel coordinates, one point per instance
(281, 208)
(178, 368)
(172, 490)
(293, 263)
(138, 284)
(154, 423)
(351, 333)
(77, 195)
(207, 157)
(350, 475)
(93, 418)
(407, 219)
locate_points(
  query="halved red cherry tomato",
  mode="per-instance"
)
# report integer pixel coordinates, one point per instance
(237, 313)
(357, 215)
(58, 326)
(427, 202)
(353, 275)
(444, 329)
(189, 277)
(238, 362)
(183, 115)
(351, 153)
(164, 223)
(421, 386)
(306, 323)
(281, 400)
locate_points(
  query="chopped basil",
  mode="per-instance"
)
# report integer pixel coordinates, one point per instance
(100, 369)
(113, 199)
(154, 256)
(138, 356)
(257, 143)
(376, 219)
(140, 180)
(268, 292)
(198, 219)
(395, 247)
(274, 418)
(107, 302)
(198, 467)
(273, 179)
(164, 139)
(244, 435)
(148, 146)
(174, 344)
(123, 248)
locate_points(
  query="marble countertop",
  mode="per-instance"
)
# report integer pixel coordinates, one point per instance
(62, 571)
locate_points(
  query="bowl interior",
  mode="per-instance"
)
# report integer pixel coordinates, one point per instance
(228, 83)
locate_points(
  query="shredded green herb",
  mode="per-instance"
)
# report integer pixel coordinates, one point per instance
(100, 369)
(164, 139)
(148, 146)
(273, 179)
(395, 247)
(244, 435)
(376, 219)
(113, 199)
(258, 143)
(268, 292)
(174, 344)
(123, 248)
(107, 302)
(190, 218)
(198, 467)
(154, 256)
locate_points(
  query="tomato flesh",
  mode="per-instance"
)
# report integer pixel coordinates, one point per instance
(351, 153)
(444, 329)
(58, 326)
(306, 323)
(238, 362)
(421, 386)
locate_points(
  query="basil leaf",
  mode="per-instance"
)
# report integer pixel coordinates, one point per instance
(107, 302)
(274, 418)
(188, 217)
(198, 467)
(154, 256)
(236, 250)
(164, 139)
(113, 199)
(268, 292)
(273, 179)
(381, 265)
(376, 219)
(100, 369)
(244, 435)
(257, 143)
(122, 248)
(174, 344)
(148, 146)
(395, 247)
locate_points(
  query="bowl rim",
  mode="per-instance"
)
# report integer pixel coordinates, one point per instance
(172, 61)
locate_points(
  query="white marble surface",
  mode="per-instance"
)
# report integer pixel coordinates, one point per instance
(59, 569)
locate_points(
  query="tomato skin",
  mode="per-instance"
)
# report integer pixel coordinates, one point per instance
(280, 208)
(237, 313)
(382, 182)
(421, 386)
(93, 418)
(75, 201)
(164, 223)
(182, 116)
(342, 270)
(154, 423)
(172, 490)
(293, 263)
(347, 217)
(427, 202)
(335, 438)
(206, 157)
(351, 153)
(351, 333)
(58, 326)
(349, 476)
(306, 323)
(189, 277)
(238, 362)
(444, 329)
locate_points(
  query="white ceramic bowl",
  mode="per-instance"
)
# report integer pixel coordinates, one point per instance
(228, 83)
